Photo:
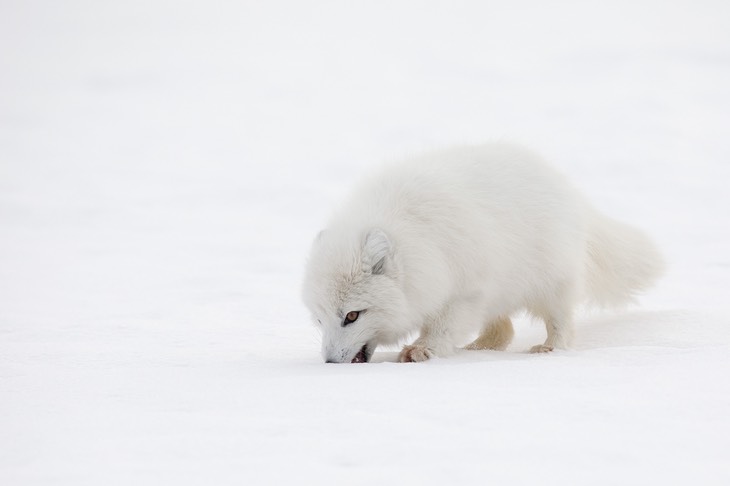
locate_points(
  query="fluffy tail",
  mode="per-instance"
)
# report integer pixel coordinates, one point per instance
(622, 261)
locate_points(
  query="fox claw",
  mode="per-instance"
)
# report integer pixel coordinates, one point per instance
(541, 348)
(414, 353)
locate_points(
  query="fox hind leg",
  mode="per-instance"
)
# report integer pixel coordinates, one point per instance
(559, 335)
(558, 317)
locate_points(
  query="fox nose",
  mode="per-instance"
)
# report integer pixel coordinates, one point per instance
(330, 361)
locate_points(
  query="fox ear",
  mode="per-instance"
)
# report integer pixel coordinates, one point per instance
(376, 250)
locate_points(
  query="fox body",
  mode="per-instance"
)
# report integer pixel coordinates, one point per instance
(455, 242)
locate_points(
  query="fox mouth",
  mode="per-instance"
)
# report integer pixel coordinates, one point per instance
(363, 356)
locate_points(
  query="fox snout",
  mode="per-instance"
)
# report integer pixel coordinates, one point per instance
(362, 356)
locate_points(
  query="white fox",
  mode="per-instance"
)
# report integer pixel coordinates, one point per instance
(459, 240)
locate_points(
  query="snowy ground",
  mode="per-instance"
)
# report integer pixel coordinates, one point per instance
(164, 165)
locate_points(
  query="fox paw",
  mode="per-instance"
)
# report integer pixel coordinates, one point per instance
(414, 353)
(541, 348)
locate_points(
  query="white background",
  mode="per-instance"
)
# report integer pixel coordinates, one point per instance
(164, 166)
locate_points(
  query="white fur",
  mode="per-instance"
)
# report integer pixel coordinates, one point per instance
(455, 242)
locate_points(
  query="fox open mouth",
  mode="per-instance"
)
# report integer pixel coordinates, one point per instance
(363, 356)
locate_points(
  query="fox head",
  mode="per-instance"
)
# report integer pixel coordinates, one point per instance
(352, 287)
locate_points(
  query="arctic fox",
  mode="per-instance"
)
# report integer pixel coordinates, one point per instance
(459, 240)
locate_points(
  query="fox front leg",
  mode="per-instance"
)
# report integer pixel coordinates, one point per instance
(437, 334)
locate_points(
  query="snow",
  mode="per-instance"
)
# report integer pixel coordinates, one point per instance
(165, 165)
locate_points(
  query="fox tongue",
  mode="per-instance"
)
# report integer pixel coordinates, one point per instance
(360, 357)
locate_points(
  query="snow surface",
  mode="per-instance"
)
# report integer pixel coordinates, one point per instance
(164, 166)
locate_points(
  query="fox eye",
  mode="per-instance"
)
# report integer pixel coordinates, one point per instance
(351, 317)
